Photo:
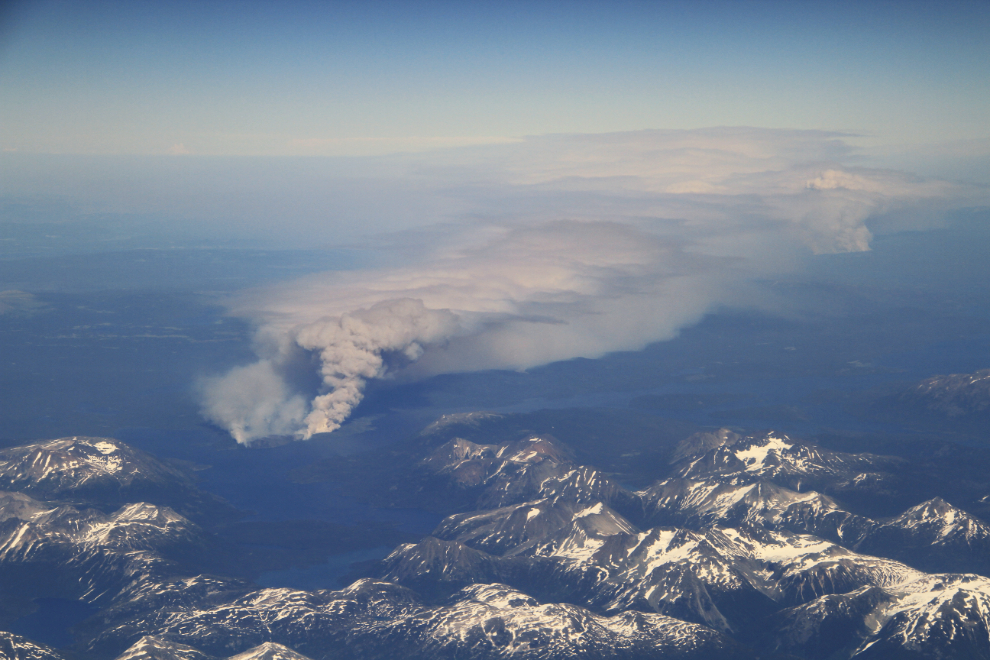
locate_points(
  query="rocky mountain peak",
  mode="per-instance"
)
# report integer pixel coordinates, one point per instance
(269, 651)
(935, 508)
(702, 442)
(151, 647)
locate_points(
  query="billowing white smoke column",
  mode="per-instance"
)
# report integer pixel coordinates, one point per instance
(254, 401)
(663, 226)
(352, 348)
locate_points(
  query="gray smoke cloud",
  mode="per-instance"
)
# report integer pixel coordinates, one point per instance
(563, 247)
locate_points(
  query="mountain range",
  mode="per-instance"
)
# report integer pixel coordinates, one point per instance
(743, 548)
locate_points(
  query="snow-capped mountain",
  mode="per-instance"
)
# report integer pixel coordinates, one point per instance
(443, 424)
(150, 647)
(100, 472)
(743, 549)
(269, 651)
(512, 473)
(67, 466)
(669, 569)
(941, 615)
(953, 395)
(314, 623)
(144, 604)
(594, 556)
(697, 444)
(698, 503)
(15, 647)
(930, 616)
(957, 403)
(775, 457)
(20, 506)
(379, 620)
(933, 536)
(84, 553)
(155, 648)
(495, 621)
(134, 527)
(435, 568)
(521, 528)
(832, 626)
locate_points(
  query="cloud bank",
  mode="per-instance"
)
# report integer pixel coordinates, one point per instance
(566, 246)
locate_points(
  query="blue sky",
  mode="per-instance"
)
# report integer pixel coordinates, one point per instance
(334, 78)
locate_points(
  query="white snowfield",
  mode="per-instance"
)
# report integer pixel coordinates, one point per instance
(755, 457)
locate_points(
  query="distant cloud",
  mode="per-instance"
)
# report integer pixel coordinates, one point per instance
(19, 303)
(395, 144)
(178, 150)
(569, 246)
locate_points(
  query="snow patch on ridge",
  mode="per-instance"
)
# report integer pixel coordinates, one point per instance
(755, 456)
(104, 447)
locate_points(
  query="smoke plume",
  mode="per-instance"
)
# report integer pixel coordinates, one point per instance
(562, 247)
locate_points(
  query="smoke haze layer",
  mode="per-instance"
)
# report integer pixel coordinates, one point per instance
(568, 246)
